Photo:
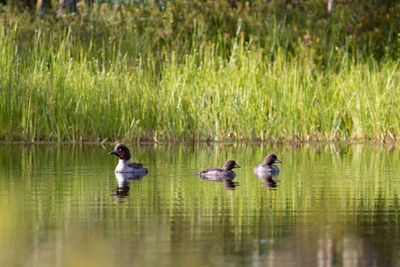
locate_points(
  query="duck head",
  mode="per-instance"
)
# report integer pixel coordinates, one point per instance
(121, 151)
(229, 165)
(270, 159)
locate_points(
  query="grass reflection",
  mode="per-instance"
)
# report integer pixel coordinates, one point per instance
(335, 204)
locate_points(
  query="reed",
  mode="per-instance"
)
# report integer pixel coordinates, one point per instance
(92, 77)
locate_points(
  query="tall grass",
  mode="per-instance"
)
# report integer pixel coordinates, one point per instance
(119, 76)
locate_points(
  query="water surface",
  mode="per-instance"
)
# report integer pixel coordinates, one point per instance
(331, 205)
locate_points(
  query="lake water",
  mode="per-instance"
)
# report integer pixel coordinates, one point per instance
(331, 205)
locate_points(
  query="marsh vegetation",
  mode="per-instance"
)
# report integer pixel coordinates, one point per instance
(197, 70)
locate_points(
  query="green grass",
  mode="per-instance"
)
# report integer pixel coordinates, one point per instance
(127, 76)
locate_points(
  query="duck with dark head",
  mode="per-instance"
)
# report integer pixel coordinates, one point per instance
(220, 173)
(121, 151)
(267, 165)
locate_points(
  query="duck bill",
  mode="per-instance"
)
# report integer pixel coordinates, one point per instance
(113, 153)
(277, 161)
(236, 166)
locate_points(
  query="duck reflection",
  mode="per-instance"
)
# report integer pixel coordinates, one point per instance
(123, 180)
(227, 183)
(267, 177)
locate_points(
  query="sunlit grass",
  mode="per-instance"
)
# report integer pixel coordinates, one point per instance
(71, 85)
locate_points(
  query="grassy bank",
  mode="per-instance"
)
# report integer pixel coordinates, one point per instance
(138, 75)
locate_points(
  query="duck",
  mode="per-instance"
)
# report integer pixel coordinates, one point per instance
(268, 165)
(220, 173)
(122, 151)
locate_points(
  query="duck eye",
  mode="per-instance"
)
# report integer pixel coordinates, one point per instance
(120, 149)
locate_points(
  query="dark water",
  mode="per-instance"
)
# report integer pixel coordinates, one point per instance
(331, 205)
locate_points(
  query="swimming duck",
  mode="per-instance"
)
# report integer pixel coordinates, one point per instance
(268, 165)
(220, 173)
(122, 152)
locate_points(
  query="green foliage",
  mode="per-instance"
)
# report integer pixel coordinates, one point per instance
(201, 70)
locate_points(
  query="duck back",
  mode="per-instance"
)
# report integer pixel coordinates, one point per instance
(216, 173)
(260, 168)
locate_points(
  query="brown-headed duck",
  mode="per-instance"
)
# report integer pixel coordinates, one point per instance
(268, 165)
(220, 173)
(122, 152)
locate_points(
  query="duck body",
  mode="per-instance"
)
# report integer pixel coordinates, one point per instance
(268, 166)
(220, 173)
(130, 167)
(260, 168)
(124, 166)
(217, 174)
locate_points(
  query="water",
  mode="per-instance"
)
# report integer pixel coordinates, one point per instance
(331, 205)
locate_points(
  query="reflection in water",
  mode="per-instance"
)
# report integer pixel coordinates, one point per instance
(227, 183)
(123, 180)
(267, 177)
(339, 205)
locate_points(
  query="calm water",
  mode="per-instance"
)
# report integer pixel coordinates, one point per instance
(331, 205)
